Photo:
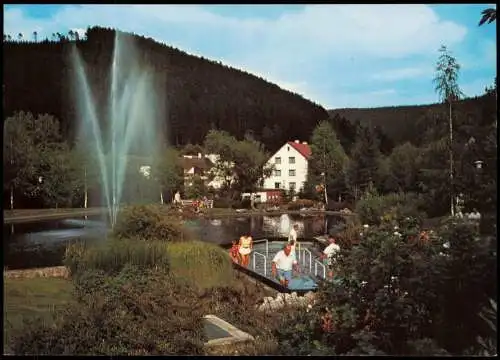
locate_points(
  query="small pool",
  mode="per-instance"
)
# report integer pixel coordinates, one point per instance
(311, 270)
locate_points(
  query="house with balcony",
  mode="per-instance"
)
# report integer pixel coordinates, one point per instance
(290, 166)
(203, 165)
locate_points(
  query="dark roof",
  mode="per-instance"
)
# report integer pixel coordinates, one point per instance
(303, 149)
(202, 164)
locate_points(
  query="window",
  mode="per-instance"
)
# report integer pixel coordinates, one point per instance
(288, 148)
(291, 172)
(277, 172)
(292, 185)
(277, 160)
(291, 160)
(276, 185)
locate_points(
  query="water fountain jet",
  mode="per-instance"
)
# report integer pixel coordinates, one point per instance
(129, 124)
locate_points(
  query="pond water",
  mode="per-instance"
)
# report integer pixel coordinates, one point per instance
(40, 244)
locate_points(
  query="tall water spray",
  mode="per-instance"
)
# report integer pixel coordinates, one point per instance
(127, 122)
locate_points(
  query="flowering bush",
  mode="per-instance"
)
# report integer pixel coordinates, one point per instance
(396, 293)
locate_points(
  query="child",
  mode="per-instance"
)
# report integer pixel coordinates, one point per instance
(234, 252)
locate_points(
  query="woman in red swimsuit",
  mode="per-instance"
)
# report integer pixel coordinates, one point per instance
(234, 252)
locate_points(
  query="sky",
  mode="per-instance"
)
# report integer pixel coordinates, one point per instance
(338, 56)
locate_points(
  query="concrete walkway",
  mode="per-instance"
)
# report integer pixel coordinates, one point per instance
(30, 215)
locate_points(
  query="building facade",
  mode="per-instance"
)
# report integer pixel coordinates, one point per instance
(290, 166)
(203, 165)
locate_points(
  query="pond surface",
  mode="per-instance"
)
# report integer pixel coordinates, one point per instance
(41, 244)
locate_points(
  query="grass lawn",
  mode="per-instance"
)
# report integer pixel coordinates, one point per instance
(31, 298)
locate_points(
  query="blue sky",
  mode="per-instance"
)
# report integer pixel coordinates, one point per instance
(336, 55)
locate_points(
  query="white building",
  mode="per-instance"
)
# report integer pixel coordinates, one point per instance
(205, 167)
(290, 166)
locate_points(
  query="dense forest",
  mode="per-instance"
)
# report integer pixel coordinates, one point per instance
(403, 123)
(200, 94)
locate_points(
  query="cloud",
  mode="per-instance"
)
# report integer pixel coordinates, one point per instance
(476, 86)
(402, 74)
(319, 51)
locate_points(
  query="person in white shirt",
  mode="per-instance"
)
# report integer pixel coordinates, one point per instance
(292, 238)
(329, 254)
(283, 264)
(293, 233)
(177, 198)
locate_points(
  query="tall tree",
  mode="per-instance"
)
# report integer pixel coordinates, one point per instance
(88, 174)
(403, 167)
(35, 35)
(488, 16)
(167, 171)
(328, 160)
(58, 183)
(244, 160)
(196, 188)
(446, 82)
(35, 157)
(362, 169)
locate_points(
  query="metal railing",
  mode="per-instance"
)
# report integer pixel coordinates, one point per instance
(304, 258)
(265, 261)
(267, 245)
(316, 263)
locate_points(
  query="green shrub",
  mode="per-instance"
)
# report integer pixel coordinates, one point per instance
(373, 209)
(134, 312)
(149, 222)
(200, 264)
(465, 286)
(112, 255)
(350, 234)
(195, 263)
(299, 204)
(400, 297)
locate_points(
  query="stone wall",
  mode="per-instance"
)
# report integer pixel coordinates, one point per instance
(55, 271)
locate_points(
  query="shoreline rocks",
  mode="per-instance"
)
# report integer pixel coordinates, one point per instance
(47, 272)
(285, 299)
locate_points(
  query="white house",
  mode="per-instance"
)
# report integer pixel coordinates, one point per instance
(290, 166)
(205, 167)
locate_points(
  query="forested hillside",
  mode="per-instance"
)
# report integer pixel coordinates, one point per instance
(405, 123)
(200, 94)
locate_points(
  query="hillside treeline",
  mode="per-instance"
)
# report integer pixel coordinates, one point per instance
(199, 94)
(408, 123)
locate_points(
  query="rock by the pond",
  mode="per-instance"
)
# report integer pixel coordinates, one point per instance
(283, 300)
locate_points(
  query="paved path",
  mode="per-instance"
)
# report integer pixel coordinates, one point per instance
(29, 215)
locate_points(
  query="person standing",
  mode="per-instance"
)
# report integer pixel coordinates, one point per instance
(292, 238)
(329, 254)
(177, 198)
(283, 265)
(245, 248)
(234, 252)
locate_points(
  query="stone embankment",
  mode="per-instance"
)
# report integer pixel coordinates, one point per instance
(55, 271)
(281, 300)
